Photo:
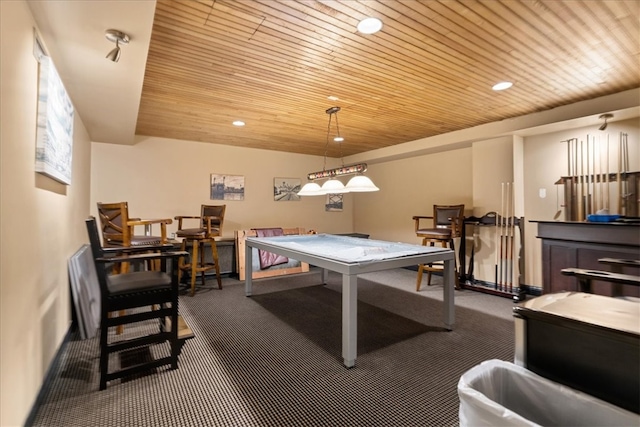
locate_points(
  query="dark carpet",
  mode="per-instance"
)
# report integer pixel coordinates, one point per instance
(275, 360)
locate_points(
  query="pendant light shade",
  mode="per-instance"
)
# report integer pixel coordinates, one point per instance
(310, 189)
(361, 183)
(333, 186)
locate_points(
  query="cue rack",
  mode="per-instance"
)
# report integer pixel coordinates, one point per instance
(589, 180)
(507, 256)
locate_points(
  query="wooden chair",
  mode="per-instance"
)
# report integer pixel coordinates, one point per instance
(446, 225)
(139, 290)
(118, 229)
(209, 227)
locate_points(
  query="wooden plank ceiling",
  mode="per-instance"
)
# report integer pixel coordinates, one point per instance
(273, 64)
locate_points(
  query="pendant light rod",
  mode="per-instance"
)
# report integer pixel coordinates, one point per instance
(343, 170)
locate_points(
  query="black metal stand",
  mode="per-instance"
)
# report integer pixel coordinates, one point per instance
(467, 279)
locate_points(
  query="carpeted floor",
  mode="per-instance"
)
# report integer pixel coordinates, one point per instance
(274, 360)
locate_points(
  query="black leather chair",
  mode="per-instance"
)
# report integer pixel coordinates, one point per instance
(136, 296)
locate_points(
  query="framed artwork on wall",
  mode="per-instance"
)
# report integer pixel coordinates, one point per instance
(333, 203)
(227, 187)
(286, 189)
(54, 131)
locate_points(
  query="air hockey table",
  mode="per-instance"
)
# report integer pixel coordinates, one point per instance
(351, 256)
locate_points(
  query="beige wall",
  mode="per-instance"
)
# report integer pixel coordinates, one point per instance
(162, 178)
(492, 169)
(411, 187)
(41, 226)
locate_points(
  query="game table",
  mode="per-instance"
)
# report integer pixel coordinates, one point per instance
(351, 256)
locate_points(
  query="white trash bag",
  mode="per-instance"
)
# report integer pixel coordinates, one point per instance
(499, 393)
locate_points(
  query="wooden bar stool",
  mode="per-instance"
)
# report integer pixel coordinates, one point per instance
(211, 219)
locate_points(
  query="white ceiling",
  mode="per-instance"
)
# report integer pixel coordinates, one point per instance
(105, 94)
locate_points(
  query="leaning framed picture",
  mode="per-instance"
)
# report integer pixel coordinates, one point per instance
(227, 187)
(286, 189)
(54, 131)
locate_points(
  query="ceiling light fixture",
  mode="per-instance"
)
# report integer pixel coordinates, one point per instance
(358, 183)
(502, 86)
(369, 25)
(605, 117)
(238, 123)
(117, 37)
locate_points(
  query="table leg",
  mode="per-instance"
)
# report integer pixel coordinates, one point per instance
(248, 270)
(449, 286)
(349, 319)
(325, 276)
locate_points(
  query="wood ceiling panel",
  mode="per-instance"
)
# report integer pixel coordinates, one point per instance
(429, 71)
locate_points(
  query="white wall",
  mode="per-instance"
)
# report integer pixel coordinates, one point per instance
(41, 226)
(162, 178)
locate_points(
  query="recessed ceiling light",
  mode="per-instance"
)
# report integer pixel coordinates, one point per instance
(338, 139)
(369, 25)
(333, 98)
(238, 123)
(502, 86)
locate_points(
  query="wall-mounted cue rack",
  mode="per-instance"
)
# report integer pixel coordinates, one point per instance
(589, 179)
(581, 194)
(509, 252)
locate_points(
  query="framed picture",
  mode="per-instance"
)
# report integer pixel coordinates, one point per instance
(227, 187)
(286, 189)
(333, 203)
(54, 131)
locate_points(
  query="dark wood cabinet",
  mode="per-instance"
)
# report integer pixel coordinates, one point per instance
(580, 245)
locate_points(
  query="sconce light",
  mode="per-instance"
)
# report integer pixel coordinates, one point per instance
(605, 117)
(117, 37)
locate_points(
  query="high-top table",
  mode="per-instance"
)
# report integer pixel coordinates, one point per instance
(351, 256)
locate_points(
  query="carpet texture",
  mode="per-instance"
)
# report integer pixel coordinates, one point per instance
(274, 359)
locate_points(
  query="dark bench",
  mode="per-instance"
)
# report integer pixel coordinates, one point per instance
(585, 277)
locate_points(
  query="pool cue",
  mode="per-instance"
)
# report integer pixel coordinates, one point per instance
(495, 266)
(587, 206)
(581, 178)
(618, 176)
(501, 217)
(576, 185)
(606, 206)
(470, 278)
(513, 240)
(507, 236)
(569, 170)
(600, 177)
(594, 198)
(626, 195)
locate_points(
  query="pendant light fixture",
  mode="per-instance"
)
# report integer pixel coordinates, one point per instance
(358, 183)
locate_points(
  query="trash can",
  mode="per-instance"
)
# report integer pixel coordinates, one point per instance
(499, 393)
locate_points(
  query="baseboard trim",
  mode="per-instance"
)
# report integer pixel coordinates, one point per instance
(49, 377)
(528, 289)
